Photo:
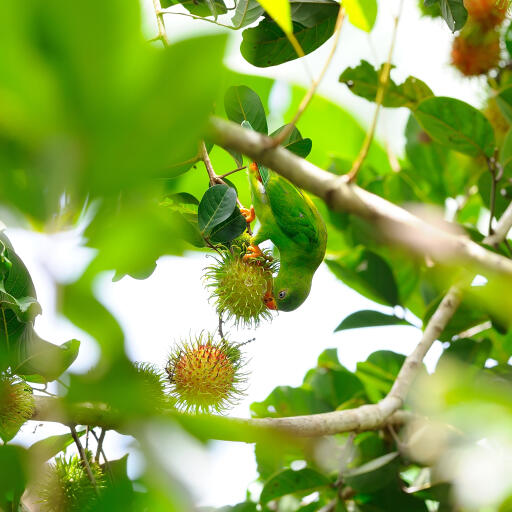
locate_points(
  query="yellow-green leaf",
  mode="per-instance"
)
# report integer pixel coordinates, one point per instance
(361, 13)
(279, 10)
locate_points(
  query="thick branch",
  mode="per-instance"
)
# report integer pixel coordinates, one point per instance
(391, 221)
(502, 228)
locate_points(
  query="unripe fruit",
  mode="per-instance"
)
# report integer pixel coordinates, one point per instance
(475, 53)
(67, 487)
(487, 13)
(205, 375)
(238, 287)
(16, 406)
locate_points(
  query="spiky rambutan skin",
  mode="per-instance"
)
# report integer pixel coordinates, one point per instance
(487, 13)
(67, 488)
(206, 376)
(238, 287)
(16, 406)
(475, 52)
(155, 384)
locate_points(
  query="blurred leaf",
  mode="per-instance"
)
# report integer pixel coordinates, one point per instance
(454, 13)
(368, 274)
(279, 10)
(466, 351)
(368, 318)
(506, 154)
(361, 13)
(288, 401)
(289, 482)
(391, 497)
(15, 471)
(508, 40)
(369, 446)
(49, 447)
(243, 104)
(245, 506)
(363, 81)
(504, 102)
(267, 45)
(246, 12)
(456, 124)
(217, 205)
(373, 475)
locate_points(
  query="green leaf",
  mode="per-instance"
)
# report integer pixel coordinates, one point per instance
(369, 318)
(279, 10)
(457, 125)
(294, 142)
(504, 102)
(246, 12)
(217, 205)
(373, 475)
(202, 8)
(506, 154)
(15, 466)
(363, 80)
(454, 13)
(368, 274)
(361, 13)
(466, 351)
(267, 45)
(289, 482)
(288, 401)
(243, 104)
(47, 448)
(229, 229)
(508, 40)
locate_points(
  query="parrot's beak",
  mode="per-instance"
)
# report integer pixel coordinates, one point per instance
(270, 301)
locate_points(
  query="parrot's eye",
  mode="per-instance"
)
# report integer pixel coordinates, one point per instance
(282, 294)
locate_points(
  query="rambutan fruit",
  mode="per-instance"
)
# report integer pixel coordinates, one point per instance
(67, 488)
(205, 375)
(475, 52)
(239, 286)
(16, 406)
(487, 13)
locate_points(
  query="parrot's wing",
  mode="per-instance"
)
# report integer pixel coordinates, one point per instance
(293, 211)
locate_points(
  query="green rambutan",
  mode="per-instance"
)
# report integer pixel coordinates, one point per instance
(67, 488)
(238, 287)
(205, 375)
(16, 406)
(155, 384)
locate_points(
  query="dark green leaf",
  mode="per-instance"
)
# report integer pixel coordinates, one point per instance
(456, 124)
(363, 80)
(267, 45)
(202, 8)
(243, 104)
(294, 142)
(229, 229)
(246, 12)
(466, 351)
(504, 102)
(508, 40)
(369, 318)
(454, 13)
(373, 475)
(289, 482)
(217, 205)
(368, 274)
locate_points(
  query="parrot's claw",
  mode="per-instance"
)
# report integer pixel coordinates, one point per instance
(269, 301)
(248, 213)
(253, 251)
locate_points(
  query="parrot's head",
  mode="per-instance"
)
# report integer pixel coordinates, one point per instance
(288, 294)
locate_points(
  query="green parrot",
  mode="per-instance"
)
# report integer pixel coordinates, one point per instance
(292, 222)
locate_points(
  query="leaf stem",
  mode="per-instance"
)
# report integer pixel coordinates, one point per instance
(222, 176)
(5, 328)
(379, 97)
(278, 139)
(162, 34)
(83, 457)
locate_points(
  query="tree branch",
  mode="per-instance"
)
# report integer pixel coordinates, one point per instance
(502, 228)
(392, 222)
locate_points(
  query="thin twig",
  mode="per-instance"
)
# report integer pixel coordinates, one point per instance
(492, 200)
(222, 176)
(162, 34)
(205, 157)
(99, 448)
(221, 332)
(83, 457)
(379, 97)
(278, 139)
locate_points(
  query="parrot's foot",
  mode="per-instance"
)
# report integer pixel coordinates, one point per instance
(269, 301)
(248, 213)
(253, 251)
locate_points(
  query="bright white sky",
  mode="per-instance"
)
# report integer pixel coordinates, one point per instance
(285, 349)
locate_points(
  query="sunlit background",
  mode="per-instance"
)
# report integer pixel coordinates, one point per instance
(175, 299)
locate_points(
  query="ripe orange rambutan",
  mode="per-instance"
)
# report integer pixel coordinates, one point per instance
(205, 375)
(487, 13)
(475, 52)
